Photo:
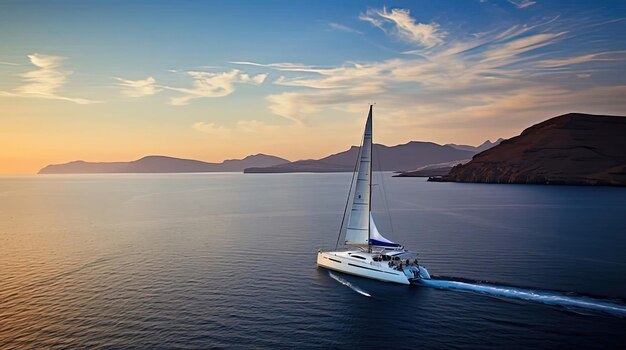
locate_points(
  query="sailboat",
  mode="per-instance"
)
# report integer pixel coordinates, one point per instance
(369, 253)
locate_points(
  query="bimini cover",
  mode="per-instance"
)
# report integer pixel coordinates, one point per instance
(377, 239)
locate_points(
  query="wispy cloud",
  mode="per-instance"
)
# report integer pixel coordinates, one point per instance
(253, 126)
(522, 4)
(609, 56)
(343, 28)
(404, 26)
(138, 88)
(9, 63)
(208, 84)
(45, 81)
(210, 128)
(242, 126)
(490, 77)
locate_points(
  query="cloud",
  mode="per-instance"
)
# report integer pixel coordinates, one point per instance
(609, 56)
(498, 77)
(404, 26)
(138, 88)
(513, 50)
(9, 63)
(369, 16)
(208, 84)
(333, 86)
(211, 128)
(256, 80)
(343, 28)
(522, 4)
(45, 81)
(250, 126)
(242, 126)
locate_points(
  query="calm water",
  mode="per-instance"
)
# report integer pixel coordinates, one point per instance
(228, 260)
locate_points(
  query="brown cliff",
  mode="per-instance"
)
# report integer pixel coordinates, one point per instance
(571, 149)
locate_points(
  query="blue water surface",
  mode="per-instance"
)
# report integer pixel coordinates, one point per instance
(228, 260)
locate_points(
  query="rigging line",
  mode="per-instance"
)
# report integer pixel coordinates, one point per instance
(345, 209)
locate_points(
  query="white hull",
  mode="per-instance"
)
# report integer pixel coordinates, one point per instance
(342, 261)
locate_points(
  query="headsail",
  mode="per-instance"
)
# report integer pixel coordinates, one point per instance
(376, 239)
(357, 232)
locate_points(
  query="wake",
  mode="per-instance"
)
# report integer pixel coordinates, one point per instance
(540, 296)
(348, 284)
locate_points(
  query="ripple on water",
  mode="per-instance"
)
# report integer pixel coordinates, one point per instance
(197, 261)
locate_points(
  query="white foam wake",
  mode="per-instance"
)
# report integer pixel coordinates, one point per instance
(348, 284)
(545, 297)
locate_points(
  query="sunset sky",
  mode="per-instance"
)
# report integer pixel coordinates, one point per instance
(213, 80)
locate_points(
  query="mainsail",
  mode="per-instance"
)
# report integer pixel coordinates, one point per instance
(357, 232)
(360, 223)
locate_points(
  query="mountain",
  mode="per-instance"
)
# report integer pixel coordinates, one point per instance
(477, 149)
(401, 157)
(163, 164)
(439, 169)
(442, 169)
(571, 149)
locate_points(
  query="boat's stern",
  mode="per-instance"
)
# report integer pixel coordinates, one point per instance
(416, 273)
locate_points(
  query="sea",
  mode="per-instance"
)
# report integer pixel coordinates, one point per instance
(203, 261)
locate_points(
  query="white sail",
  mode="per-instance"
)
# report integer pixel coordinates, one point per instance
(357, 232)
(377, 239)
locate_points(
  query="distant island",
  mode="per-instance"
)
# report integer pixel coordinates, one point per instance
(163, 164)
(404, 157)
(571, 149)
(395, 158)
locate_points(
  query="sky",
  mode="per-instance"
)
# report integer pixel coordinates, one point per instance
(215, 80)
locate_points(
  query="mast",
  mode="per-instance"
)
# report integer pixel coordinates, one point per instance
(369, 209)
